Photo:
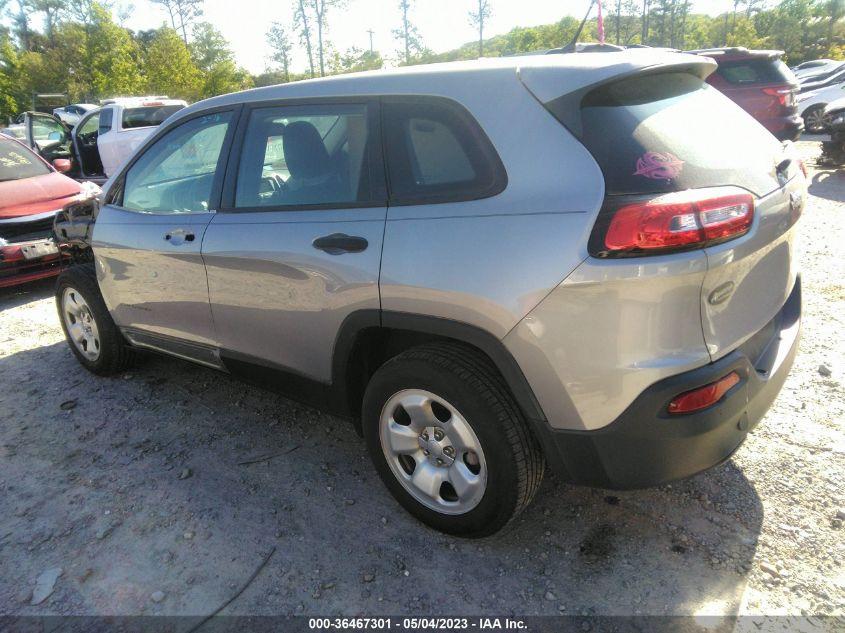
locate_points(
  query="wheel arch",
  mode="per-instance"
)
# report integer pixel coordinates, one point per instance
(369, 338)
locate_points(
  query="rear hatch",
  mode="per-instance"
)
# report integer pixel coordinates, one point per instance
(762, 84)
(668, 143)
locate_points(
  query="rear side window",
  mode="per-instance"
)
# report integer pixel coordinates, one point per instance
(670, 132)
(755, 71)
(147, 116)
(436, 152)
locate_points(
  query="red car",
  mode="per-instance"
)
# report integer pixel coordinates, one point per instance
(31, 193)
(761, 84)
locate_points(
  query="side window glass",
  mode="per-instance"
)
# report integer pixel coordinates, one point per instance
(91, 125)
(303, 155)
(436, 152)
(176, 173)
(47, 132)
(105, 120)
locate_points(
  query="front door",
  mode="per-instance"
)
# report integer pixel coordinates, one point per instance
(47, 135)
(84, 137)
(297, 246)
(147, 239)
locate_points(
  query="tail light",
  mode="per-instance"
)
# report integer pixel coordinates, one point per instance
(685, 220)
(784, 96)
(705, 396)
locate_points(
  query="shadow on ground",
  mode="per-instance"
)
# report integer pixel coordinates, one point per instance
(829, 184)
(177, 479)
(15, 296)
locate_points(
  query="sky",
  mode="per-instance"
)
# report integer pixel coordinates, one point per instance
(443, 24)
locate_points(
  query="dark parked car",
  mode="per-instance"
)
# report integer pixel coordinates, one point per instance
(762, 84)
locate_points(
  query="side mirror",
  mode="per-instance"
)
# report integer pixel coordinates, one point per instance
(62, 165)
(54, 136)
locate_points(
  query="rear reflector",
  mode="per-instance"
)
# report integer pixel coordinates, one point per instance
(676, 221)
(784, 96)
(705, 396)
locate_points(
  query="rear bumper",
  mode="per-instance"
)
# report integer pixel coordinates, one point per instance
(645, 446)
(787, 128)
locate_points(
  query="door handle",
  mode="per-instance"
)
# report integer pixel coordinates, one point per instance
(178, 236)
(339, 243)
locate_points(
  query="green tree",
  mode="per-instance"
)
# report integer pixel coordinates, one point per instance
(277, 38)
(355, 60)
(216, 62)
(182, 13)
(169, 68)
(478, 18)
(407, 34)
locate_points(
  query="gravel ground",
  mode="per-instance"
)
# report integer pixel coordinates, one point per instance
(132, 496)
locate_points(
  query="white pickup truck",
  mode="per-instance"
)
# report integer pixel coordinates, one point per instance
(103, 138)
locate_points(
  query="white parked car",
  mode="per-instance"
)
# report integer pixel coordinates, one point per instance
(812, 105)
(814, 66)
(71, 114)
(126, 123)
(102, 139)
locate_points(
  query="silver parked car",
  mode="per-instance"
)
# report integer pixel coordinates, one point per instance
(582, 260)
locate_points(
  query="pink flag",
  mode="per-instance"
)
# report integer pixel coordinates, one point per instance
(600, 24)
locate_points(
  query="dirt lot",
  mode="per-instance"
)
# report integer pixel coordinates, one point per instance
(136, 496)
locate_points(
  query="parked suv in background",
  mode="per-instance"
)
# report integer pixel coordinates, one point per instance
(762, 84)
(569, 274)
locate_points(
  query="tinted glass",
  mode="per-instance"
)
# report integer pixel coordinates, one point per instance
(147, 116)
(17, 162)
(300, 155)
(755, 71)
(671, 132)
(106, 116)
(176, 173)
(436, 152)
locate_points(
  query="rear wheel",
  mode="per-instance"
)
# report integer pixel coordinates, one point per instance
(89, 329)
(815, 120)
(449, 441)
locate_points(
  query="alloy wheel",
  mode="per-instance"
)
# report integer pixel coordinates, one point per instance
(81, 325)
(433, 451)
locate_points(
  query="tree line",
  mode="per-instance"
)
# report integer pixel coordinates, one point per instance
(83, 49)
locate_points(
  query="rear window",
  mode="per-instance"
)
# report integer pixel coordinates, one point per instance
(436, 152)
(147, 116)
(17, 162)
(755, 71)
(672, 131)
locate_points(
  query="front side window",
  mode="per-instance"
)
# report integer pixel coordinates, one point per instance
(436, 152)
(176, 173)
(304, 155)
(90, 126)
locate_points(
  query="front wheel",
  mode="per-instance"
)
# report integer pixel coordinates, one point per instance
(89, 329)
(449, 441)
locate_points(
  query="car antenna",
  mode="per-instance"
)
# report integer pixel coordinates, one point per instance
(569, 48)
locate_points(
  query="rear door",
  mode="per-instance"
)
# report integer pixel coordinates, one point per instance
(297, 246)
(148, 237)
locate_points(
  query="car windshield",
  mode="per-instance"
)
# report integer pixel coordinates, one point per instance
(17, 162)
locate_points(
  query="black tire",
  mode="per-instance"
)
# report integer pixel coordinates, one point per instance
(467, 380)
(812, 124)
(114, 354)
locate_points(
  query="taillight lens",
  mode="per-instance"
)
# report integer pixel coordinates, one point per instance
(705, 396)
(630, 227)
(784, 96)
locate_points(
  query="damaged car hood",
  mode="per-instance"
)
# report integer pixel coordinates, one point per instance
(38, 194)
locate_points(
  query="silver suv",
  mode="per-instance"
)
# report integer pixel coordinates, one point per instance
(580, 260)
